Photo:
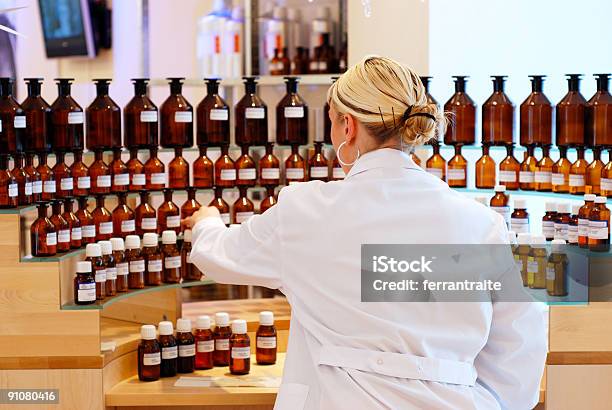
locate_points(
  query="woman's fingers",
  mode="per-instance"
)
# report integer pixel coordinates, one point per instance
(203, 212)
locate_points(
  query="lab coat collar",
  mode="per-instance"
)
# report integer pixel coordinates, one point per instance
(382, 158)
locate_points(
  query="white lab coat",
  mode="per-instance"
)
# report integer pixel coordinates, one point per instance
(345, 354)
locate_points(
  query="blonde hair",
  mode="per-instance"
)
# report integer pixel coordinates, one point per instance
(384, 96)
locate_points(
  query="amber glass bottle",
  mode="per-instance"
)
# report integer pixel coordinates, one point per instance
(121, 263)
(240, 347)
(93, 254)
(284, 62)
(136, 172)
(436, 164)
(213, 117)
(43, 236)
(593, 172)
(66, 119)
(269, 167)
(462, 130)
(528, 169)
(84, 284)
(245, 169)
(223, 207)
(63, 178)
(186, 346)
(172, 258)
(205, 345)
(275, 65)
(295, 167)
(562, 221)
(298, 62)
(88, 224)
(169, 351)
(81, 181)
(225, 170)
(537, 263)
(189, 271)
(110, 287)
(572, 232)
(251, 116)
(168, 214)
(136, 262)
(61, 227)
(313, 65)
(599, 112)
(221, 335)
(570, 115)
(155, 172)
(318, 167)
(176, 126)
(103, 220)
(13, 119)
(119, 173)
(243, 208)
(556, 269)
(292, 116)
(536, 116)
(37, 137)
(34, 178)
(543, 173)
(606, 178)
(415, 158)
(498, 116)
(76, 234)
(584, 214)
(22, 179)
(485, 170)
(203, 171)
(145, 215)
(103, 120)
(577, 176)
(266, 339)
(191, 204)
(500, 203)
(140, 118)
(124, 222)
(599, 226)
(149, 355)
(100, 176)
(456, 170)
(154, 261)
(9, 191)
(519, 219)
(269, 201)
(47, 178)
(560, 172)
(178, 171)
(509, 170)
(548, 221)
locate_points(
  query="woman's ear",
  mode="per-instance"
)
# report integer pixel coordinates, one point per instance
(350, 128)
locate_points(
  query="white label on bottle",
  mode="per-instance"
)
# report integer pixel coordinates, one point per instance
(49, 187)
(138, 179)
(247, 173)
(88, 231)
(63, 236)
(128, 226)
(322, 65)
(519, 225)
(154, 265)
(313, 66)
(222, 344)
(75, 117)
(51, 238)
(101, 275)
(205, 346)
(507, 176)
(158, 178)
(123, 269)
(13, 190)
(183, 116)
(241, 352)
(576, 180)
(548, 229)
(225, 218)
(319, 172)
(266, 342)
(243, 216)
(228, 174)
(0, 125)
(561, 231)
(151, 359)
(169, 352)
(121, 179)
(455, 174)
(255, 113)
(173, 262)
(550, 272)
(558, 179)
(433, 171)
(28, 188)
(111, 273)
(598, 230)
(106, 228)
(84, 182)
(148, 116)
(186, 350)
(86, 292)
(294, 112)
(583, 227)
(606, 185)
(339, 173)
(149, 223)
(270, 173)
(19, 121)
(532, 266)
(543, 177)
(137, 266)
(37, 187)
(572, 234)
(77, 234)
(294, 173)
(103, 181)
(503, 211)
(526, 177)
(219, 114)
(173, 221)
(66, 184)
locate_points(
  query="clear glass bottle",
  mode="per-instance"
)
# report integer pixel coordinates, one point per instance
(34, 178)
(240, 347)
(536, 116)
(172, 258)
(225, 170)
(133, 255)
(266, 339)
(203, 171)
(186, 346)
(189, 272)
(295, 167)
(136, 171)
(103, 120)
(269, 201)
(243, 208)
(176, 128)
(543, 173)
(84, 284)
(145, 215)
(269, 167)
(223, 207)
(67, 117)
(570, 115)
(456, 170)
(205, 344)
(140, 117)
(213, 117)
(154, 260)
(509, 170)
(81, 181)
(93, 254)
(318, 167)
(100, 176)
(76, 234)
(119, 173)
(37, 137)
(43, 235)
(528, 170)
(191, 205)
(110, 268)
(462, 131)
(47, 178)
(599, 112)
(584, 214)
(13, 119)
(221, 335)
(88, 224)
(593, 172)
(103, 220)
(599, 226)
(121, 263)
(577, 176)
(61, 226)
(64, 182)
(149, 355)
(169, 350)
(124, 220)
(485, 170)
(251, 117)
(498, 116)
(155, 172)
(168, 214)
(245, 169)
(561, 172)
(292, 116)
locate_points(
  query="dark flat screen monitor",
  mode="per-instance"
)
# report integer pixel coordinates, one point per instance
(67, 28)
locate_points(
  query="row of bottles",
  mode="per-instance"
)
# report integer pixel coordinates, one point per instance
(323, 61)
(205, 348)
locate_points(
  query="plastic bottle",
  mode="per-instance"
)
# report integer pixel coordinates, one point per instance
(205, 345)
(84, 284)
(149, 355)
(240, 345)
(266, 339)
(186, 346)
(275, 34)
(210, 40)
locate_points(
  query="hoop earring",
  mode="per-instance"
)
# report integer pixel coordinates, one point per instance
(340, 159)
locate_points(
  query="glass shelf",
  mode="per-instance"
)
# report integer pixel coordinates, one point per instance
(56, 258)
(100, 305)
(17, 211)
(548, 195)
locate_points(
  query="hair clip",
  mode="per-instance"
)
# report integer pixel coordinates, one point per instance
(393, 112)
(381, 117)
(407, 114)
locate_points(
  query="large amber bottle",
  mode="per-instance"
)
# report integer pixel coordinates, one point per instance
(485, 170)
(67, 119)
(176, 126)
(536, 116)
(570, 113)
(462, 129)
(251, 116)
(103, 120)
(12, 120)
(140, 118)
(213, 117)
(37, 136)
(292, 116)
(599, 115)
(498, 116)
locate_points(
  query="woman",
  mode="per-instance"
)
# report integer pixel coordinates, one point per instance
(345, 354)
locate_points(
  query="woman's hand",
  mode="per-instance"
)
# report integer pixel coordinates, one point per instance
(203, 212)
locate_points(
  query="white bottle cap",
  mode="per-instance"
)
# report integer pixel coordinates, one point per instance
(165, 328)
(168, 237)
(558, 245)
(563, 208)
(576, 209)
(601, 200)
(92, 250)
(266, 318)
(118, 244)
(147, 332)
(500, 188)
(551, 207)
(221, 319)
(187, 235)
(83, 267)
(482, 199)
(107, 247)
(132, 242)
(279, 13)
(589, 197)
(520, 204)
(183, 325)
(149, 239)
(320, 26)
(511, 238)
(538, 241)
(203, 322)
(239, 327)
(523, 239)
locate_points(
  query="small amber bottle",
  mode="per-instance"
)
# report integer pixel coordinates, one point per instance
(436, 164)
(186, 346)
(88, 224)
(519, 220)
(245, 169)
(561, 172)
(149, 355)
(223, 207)
(169, 350)
(93, 254)
(136, 170)
(548, 220)
(203, 170)
(528, 169)
(318, 167)
(221, 334)
(155, 172)
(225, 169)
(509, 170)
(295, 167)
(119, 172)
(76, 234)
(577, 176)
(543, 173)
(562, 221)
(240, 346)
(178, 171)
(47, 178)
(205, 344)
(80, 176)
(243, 208)
(84, 284)
(61, 227)
(599, 226)
(63, 178)
(100, 175)
(135, 261)
(538, 261)
(110, 266)
(485, 170)
(606, 177)
(191, 205)
(124, 222)
(266, 339)
(269, 167)
(583, 220)
(43, 236)
(556, 269)
(522, 254)
(9, 190)
(572, 229)
(145, 215)
(103, 220)
(121, 263)
(34, 177)
(172, 258)
(168, 214)
(154, 260)
(269, 201)
(189, 271)
(593, 172)
(456, 170)
(500, 203)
